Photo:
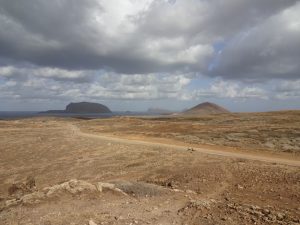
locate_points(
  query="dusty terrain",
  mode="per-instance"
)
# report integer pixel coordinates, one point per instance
(271, 131)
(151, 170)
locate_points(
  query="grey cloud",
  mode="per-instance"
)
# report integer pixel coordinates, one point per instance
(142, 37)
(268, 50)
(207, 19)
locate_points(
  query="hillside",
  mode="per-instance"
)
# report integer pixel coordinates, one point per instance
(206, 108)
(87, 107)
(81, 107)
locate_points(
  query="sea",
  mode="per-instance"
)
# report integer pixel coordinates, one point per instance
(6, 115)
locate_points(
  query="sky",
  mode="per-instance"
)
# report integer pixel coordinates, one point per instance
(137, 54)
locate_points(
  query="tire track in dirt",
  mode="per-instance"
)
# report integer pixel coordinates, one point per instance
(248, 156)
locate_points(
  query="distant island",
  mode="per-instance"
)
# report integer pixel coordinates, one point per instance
(81, 108)
(159, 111)
(206, 108)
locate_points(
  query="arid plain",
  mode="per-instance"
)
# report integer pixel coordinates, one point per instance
(241, 168)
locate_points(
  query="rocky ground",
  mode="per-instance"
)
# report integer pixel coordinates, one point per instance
(271, 131)
(50, 174)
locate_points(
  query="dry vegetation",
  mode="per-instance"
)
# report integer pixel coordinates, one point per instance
(274, 131)
(50, 172)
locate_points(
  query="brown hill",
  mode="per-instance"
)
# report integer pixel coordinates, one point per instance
(206, 108)
(81, 107)
(86, 107)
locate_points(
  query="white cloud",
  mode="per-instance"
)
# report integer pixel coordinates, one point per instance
(89, 52)
(141, 37)
(139, 86)
(46, 72)
(231, 90)
(54, 83)
(287, 90)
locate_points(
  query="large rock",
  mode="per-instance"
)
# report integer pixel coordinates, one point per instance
(87, 107)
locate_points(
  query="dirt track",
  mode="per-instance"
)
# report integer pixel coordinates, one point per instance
(274, 132)
(185, 147)
(186, 187)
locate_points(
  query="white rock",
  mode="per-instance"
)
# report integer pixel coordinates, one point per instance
(191, 192)
(91, 222)
(108, 186)
(102, 186)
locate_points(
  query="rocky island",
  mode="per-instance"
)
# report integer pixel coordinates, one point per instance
(82, 107)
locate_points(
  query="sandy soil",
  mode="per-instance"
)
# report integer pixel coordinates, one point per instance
(273, 131)
(154, 183)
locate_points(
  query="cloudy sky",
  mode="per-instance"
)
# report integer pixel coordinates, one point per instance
(136, 54)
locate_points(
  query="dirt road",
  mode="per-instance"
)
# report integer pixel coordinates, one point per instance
(50, 171)
(184, 147)
(275, 132)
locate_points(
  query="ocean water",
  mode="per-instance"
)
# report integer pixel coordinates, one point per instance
(28, 114)
(17, 114)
